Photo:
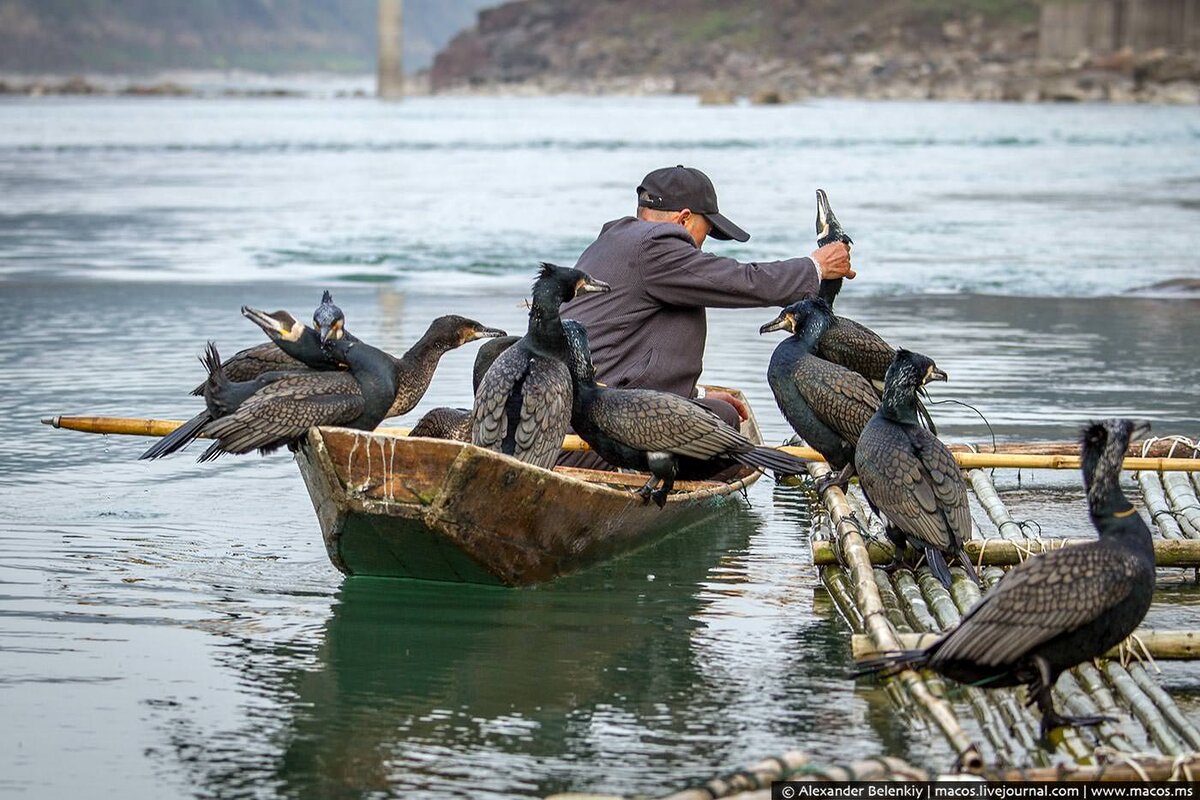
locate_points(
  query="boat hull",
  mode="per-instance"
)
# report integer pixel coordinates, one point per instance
(429, 509)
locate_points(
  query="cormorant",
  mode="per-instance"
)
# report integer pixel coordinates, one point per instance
(909, 476)
(455, 423)
(293, 347)
(414, 369)
(523, 404)
(281, 412)
(846, 342)
(825, 403)
(1061, 608)
(650, 431)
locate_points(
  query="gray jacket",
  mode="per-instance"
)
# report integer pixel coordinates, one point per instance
(649, 331)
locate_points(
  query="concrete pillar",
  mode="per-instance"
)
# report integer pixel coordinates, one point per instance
(389, 83)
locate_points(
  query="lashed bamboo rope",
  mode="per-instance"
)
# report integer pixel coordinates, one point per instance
(877, 624)
(1160, 645)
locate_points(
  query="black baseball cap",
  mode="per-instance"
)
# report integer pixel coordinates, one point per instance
(680, 187)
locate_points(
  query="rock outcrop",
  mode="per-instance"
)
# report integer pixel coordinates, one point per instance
(785, 50)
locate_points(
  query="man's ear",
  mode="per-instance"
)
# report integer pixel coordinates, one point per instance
(683, 216)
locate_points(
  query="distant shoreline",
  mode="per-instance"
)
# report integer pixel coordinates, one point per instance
(1047, 84)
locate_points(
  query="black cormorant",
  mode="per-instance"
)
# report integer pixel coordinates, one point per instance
(282, 411)
(294, 346)
(909, 476)
(1061, 608)
(846, 342)
(455, 423)
(523, 404)
(825, 403)
(650, 431)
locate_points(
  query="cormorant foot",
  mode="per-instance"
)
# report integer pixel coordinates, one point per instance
(831, 480)
(645, 493)
(1055, 720)
(660, 497)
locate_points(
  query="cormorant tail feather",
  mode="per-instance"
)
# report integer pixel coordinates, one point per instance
(775, 460)
(891, 663)
(177, 439)
(937, 565)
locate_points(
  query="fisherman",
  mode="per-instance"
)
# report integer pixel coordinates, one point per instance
(649, 331)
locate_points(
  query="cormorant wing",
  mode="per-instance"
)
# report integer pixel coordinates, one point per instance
(282, 411)
(1039, 600)
(652, 421)
(545, 412)
(946, 478)
(841, 398)
(856, 347)
(534, 392)
(899, 485)
(248, 364)
(489, 422)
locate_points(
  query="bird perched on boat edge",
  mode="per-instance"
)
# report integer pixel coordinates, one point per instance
(1061, 608)
(294, 346)
(445, 422)
(909, 476)
(523, 404)
(846, 342)
(281, 412)
(650, 431)
(825, 403)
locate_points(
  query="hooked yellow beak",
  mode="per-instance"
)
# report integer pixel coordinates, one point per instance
(784, 322)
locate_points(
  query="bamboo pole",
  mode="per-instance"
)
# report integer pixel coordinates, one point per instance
(993, 506)
(1166, 706)
(1185, 506)
(1015, 460)
(998, 552)
(756, 776)
(1144, 709)
(880, 629)
(1162, 645)
(1127, 769)
(1156, 504)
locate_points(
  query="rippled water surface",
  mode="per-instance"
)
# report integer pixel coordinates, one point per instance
(175, 629)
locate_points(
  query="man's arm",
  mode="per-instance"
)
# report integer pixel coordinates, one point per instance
(676, 272)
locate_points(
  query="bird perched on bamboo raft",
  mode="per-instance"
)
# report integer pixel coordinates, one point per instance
(455, 423)
(523, 403)
(909, 476)
(650, 430)
(846, 342)
(1061, 608)
(294, 346)
(825, 403)
(281, 412)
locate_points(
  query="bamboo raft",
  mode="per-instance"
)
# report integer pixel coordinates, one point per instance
(991, 729)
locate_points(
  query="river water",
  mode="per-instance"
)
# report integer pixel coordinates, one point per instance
(175, 630)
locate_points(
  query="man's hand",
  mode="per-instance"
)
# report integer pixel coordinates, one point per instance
(833, 261)
(742, 409)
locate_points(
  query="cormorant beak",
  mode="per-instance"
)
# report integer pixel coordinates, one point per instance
(935, 374)
(824, 212)
(784, 322)
(272, 323)
(591, 285)
(332, 330)
(486, 333)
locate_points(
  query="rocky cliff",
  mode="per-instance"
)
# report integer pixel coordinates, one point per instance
(780, 50)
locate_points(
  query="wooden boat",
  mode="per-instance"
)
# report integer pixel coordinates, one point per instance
(403, 507)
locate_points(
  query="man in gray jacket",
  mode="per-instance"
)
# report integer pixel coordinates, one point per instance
(650, 330)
